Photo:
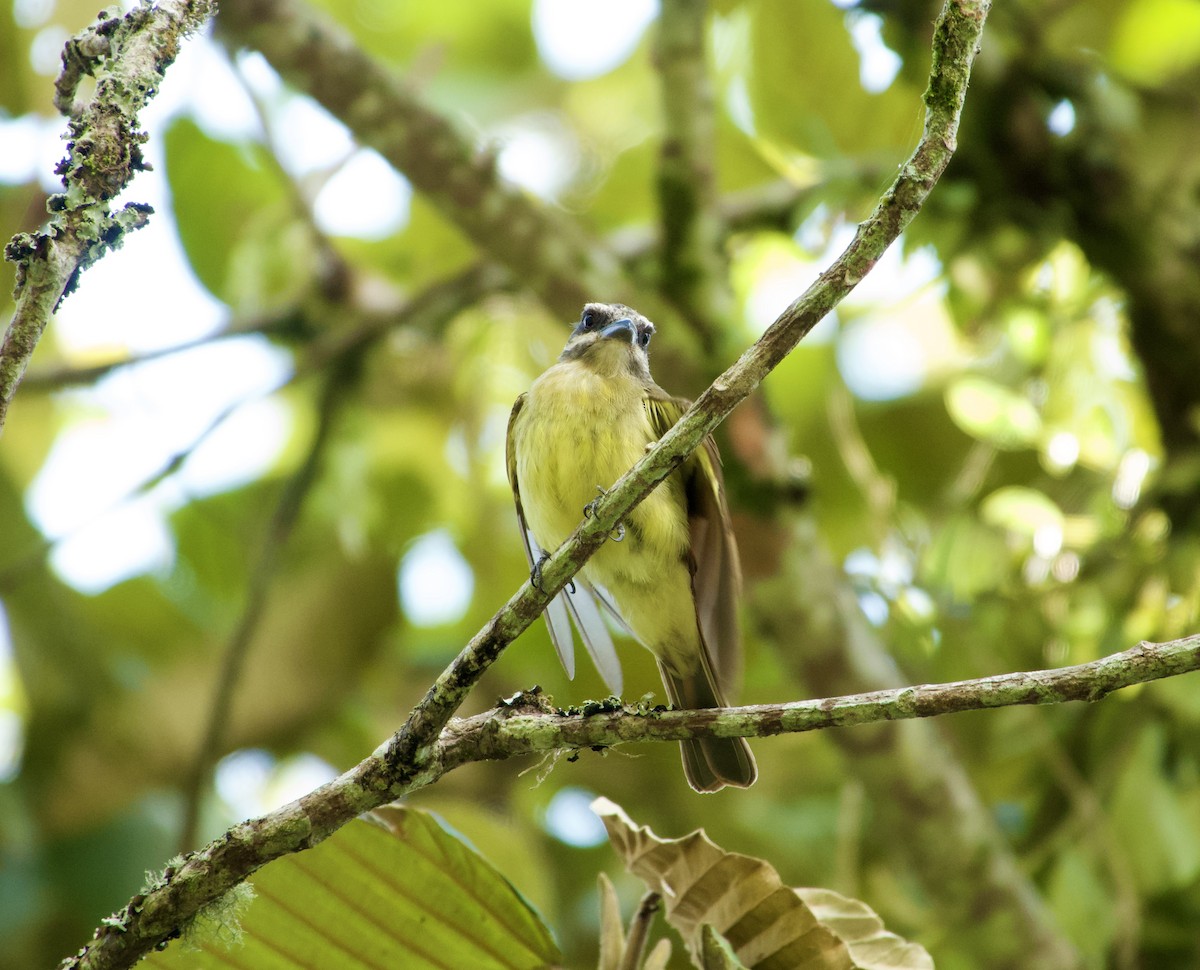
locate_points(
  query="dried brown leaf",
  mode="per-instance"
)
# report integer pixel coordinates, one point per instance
(768, 925)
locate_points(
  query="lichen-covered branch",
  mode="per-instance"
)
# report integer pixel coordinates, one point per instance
(525, 728)
(550, 253)
(128, 57)
(527, 725)
(412, 756)
(956, 39)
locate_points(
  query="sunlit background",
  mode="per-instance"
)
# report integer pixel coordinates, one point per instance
(1020, 344)
(89, 498)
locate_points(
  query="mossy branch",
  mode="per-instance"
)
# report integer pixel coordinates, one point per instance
(127, 56)
(413, 756)
(694, 273)
(517, 729)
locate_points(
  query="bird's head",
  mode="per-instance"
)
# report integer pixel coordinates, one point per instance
(611, 338)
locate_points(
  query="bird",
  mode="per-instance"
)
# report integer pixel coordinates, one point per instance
(670, 576)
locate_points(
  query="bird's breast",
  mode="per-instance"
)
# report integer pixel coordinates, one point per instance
(578, 432)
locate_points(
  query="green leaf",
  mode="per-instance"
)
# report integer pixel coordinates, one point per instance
(1022, 510)
(396, 891)
(1157, 39)
(235, 218)
(1157, 828)
(993, 413)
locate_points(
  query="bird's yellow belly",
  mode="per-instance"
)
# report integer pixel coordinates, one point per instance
(581, 433)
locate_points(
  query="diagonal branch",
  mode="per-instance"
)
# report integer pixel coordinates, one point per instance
(541, 247)
(128, 57)
(409, 760)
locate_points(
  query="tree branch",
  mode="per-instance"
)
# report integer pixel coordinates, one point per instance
(410, 758)
(513, 730)
(526, 726)
(128, 58)
(338, 383)
(694, 274)
(544, 249)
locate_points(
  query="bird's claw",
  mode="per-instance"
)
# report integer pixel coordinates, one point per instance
(589, 510)
(535, 575)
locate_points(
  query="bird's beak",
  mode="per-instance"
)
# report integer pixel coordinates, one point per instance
(620, 330)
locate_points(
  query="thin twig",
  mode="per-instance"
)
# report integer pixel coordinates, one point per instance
(412, 757)
(334, 393)
(428, 313)
(58, 378)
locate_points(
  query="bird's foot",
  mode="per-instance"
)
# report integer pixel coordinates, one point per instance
(590, 509)
(618, 533)
(535, 575)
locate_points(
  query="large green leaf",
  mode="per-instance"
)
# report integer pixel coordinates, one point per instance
(399, 891)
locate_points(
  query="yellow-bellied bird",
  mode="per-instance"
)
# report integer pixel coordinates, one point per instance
(672, 579)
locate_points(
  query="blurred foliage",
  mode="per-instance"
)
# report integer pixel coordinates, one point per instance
(997, 434)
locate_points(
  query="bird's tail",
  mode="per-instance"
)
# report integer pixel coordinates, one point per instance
(709, 764)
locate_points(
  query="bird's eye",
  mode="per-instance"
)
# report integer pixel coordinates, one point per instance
(587, 321)
(644, 338)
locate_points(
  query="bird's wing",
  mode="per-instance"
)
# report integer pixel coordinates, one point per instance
(716, 572)
(596, 638)
(556, 611)
(604, 598)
